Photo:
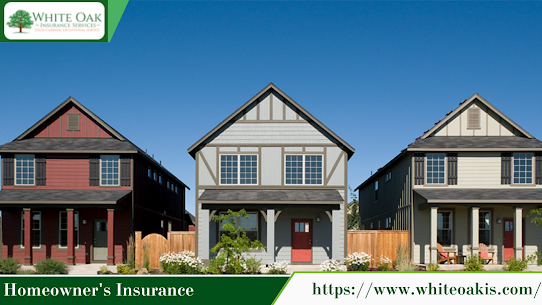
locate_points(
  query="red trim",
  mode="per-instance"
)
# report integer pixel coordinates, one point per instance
(27, 259)
(71, 248)
(110, 236)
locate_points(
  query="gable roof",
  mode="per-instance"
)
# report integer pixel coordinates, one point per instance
(272, 88)
(465, 104)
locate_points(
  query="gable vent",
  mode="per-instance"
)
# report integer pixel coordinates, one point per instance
(473, 115)
(73, 122)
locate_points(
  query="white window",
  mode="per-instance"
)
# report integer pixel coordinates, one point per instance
(303, 169)
(249, 225)
(63, 229)
(436, 169)
(388, 176)
(109, 170)
(484, 227)
(154, 176)
(444, 228)
(24, 170)
(238, 169)
(35, 226)
(523, 168)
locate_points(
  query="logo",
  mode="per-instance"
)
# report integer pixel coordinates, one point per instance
(54, 20)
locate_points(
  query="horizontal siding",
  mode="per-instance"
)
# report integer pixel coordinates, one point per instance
(478, 170)
(270, 165)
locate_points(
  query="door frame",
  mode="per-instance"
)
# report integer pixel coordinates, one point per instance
(94, 220)
(503, 236)
(311, 228)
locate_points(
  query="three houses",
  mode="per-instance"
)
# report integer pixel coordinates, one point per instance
(74, 188)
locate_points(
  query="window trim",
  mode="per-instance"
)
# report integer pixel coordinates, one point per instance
(239, 168)
(118, 179)
(77, 243)
(490, 226)
(533, 170)
(388, 176)
(387, 222)
(445, 170)
(451, 229)
(21, 231)
(258, 230)
(303, 177)
(15, 170)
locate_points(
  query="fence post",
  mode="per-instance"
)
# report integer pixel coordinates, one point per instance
(137, 250)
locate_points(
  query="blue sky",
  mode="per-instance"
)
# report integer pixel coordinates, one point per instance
(376, 73)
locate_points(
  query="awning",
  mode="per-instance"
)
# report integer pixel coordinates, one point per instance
(54, 197)
(478, 196)
(309, 196)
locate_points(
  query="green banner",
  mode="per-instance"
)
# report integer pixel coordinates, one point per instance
(60, 21)
(112, 289)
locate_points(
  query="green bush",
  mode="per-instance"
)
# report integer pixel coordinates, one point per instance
(358, 261)
(51, 266)
(9, 265)
(433, 267)
(253, 266)
(474, 263)
(516, 264)
(124, 269)
(278, 267)
(216, 265)
(104, 270)
(26, 271)
(403, 262)
(184, 262)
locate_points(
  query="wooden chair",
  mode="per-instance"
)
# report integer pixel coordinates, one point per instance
(484, 253)
(445, 256)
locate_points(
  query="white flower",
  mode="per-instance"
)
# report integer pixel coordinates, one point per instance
(276, 266)
(331, 265)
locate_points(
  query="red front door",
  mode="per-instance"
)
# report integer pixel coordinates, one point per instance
(301, 240)
(508, 240)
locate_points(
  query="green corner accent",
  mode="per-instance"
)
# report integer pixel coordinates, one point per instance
(278, 295)
(115, 9)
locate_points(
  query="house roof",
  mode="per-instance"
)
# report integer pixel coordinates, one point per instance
(466, 103)
(490, 196)
(62, 196)
(473, 143)
(118, 144)
(271, 87)
(309, 196)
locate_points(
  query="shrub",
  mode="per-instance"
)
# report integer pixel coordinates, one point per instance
(26, 271)
(51, 266)
(125, 269)
(185, 262)
(278, 268)
(433, 267)
(105, 270)
(216, 265)
(9, 265)
(330, 265)
(253, 266)
(516, 264)
(384, 263)
(146, 256)
(474, 263)
(358, 261)
(130, 256)
(403, 262)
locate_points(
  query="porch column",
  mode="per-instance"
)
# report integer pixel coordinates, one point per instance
(27, 239)
(71, 251)
(518, 232)
(336, 235)
(110, 236)
(475, 238)
(271, 234)
(203, 234)
(433, 236)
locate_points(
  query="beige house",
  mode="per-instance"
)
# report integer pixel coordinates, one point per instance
(472, 178)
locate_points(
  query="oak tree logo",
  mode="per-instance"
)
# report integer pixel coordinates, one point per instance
(21, 19)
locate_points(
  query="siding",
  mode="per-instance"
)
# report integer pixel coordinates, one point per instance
(271, 166)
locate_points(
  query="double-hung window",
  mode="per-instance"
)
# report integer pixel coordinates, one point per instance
(249, 225)
(63, 229)
(109, 170)
(238, 169)
(303, 169)
(35, 226)
(444, 228)
(436, 168)
(24, 170)
(484, 227)
(523, 168)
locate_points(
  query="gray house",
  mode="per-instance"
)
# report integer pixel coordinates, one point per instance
(274, 159)
(470, 179)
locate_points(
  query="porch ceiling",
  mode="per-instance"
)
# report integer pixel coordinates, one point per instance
(481, 196)
(14, 197)
(309, 196)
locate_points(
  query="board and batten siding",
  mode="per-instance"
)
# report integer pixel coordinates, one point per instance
(490, 124)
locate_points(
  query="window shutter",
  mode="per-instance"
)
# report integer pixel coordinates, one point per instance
(419, 172)
(73, 122)
(473, 121)
(8, 169)
(94, 173)
(125, 170)
(506, 168)
(538, 166)
(40, 170)
(452, 169)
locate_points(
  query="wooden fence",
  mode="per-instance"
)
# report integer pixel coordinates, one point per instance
(157, 244)
(376, 243)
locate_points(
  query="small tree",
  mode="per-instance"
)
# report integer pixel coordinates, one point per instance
(235, 242)
(536, 216)
(353, 220)
(21, 19)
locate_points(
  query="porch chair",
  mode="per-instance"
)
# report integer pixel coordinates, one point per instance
(445, 256)
(484, 253)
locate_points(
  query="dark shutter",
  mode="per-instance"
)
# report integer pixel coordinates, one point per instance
(419, 173)
(452, 169)
(40, 170)
(7, 169)
(506, 168)
(538, 166)
(94, 173)
(125, 170)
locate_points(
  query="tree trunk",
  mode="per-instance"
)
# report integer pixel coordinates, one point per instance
(20, 27)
